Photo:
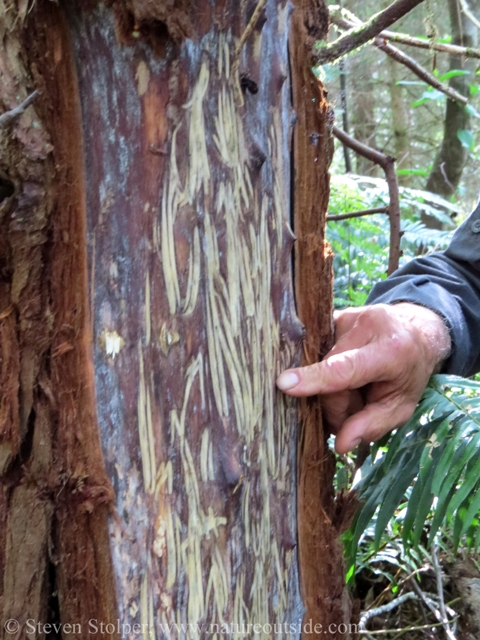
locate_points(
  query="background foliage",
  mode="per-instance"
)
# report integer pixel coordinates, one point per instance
(420, 486)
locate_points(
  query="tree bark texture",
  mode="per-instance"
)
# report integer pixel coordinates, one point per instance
(148, 465)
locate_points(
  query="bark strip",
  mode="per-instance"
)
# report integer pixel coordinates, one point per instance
(321, 559)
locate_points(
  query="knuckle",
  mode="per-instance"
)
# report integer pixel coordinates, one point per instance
(377, 313)
(344, 366)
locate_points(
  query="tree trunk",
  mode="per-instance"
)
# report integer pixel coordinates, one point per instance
(400, 120)
(452, 156)
(148, 466)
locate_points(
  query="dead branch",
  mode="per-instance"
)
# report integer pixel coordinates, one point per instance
(252, 23)
(388, 165)
(351, 21)
(403, 631)
(357, 214)
(455, 49)
(393, 604)
(8, 117)
(438, 576)
(418, 70)
(469, 13)
(367, 31)
(433, 608)
(347, 20)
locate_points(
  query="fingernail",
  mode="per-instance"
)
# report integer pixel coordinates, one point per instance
(287, 380)
(354, 443)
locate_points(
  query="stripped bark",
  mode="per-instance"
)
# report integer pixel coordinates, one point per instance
(148, 465)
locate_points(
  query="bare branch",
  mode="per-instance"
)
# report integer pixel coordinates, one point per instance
(362, 34)
(455, 49)
(8, 117)
(393, 604)
(433, 608)
(399, 56)
(469, 13)
(438, 576)
(252, 23)
(388, 165)
(418, 70)
(403, 631)
(357, 214)
(347, 20)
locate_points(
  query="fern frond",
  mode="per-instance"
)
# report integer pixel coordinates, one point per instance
(437, 454)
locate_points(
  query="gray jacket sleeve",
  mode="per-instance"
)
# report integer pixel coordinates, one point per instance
(447, 282)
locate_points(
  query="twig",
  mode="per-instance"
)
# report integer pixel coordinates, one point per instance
(432, 606)
(407, 61)
(362, 34)
(357, 214)
(438, 576)
(241, 43)
(468, 12)
(385, 608)
(388, 165)
(380, 632)
(347, 20)
(250, 26)
(418, 70)
(8, 117)
(455, 49)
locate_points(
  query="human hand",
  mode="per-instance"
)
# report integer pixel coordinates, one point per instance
(372, 379)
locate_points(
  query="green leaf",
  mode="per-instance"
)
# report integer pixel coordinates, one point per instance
(413, 172)
(454, 73)
(469, 482)
(399, 484)
(472, 512)
(431, 94)
(467, 139)
(417, 83)
(469, 108)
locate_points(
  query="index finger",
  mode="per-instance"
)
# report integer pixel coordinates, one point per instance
(348, 370)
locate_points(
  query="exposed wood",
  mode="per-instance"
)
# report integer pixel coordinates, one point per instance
(148, 465)
(196, 318)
